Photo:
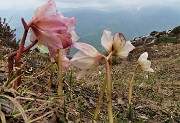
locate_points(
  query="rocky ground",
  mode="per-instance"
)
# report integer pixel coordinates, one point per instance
(156, 96)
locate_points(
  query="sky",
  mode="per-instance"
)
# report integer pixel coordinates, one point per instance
(98, 4)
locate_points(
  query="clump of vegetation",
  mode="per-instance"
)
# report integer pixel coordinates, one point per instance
(176, 30)
(153, 33)
(7, 35)
(166, 40)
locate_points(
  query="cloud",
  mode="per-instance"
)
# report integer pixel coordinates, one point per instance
(26, 4)
(114, 3)
(147, 2)
(92, 4)
(19, 4)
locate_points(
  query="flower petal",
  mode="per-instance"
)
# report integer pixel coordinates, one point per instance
(86, 49)
(66, 51)
(84, 72)
(119, 37)
(33, 37)
(45, 9)
(65, 63)
(74, 36)
(107, 40)
(81, 74)
(143, 56)
(70, 22)
(65, 39)
(51, 23)
(82, 61)
(119, 42)
(124, 51)
(53, 53)
(149, 70)
(50, 39)
(145, 65)
(42, 48)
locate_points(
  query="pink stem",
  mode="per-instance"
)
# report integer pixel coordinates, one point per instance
(13, 54)
(19, 53)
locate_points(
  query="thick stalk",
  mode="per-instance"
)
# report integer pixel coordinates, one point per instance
(70, 81)
(18, 59)
(109, 92)
(60, 88)
(19, 54)
(130, 93)
(131, 84)
(13, 54)
(98, 105)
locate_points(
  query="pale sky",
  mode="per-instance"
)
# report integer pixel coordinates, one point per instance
(27, 4)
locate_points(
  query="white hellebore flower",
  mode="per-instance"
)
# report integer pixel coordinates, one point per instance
(86, 58)
(144, 63)
(116, 44)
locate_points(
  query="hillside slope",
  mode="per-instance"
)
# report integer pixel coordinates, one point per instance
(156, 96)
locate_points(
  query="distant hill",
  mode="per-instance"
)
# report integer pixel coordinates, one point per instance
(90, 23)
(132, 23)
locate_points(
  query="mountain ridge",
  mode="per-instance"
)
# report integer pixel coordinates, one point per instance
(90, 23)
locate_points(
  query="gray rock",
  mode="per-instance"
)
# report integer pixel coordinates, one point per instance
(143, 40)
(150, 39)
(168, 31)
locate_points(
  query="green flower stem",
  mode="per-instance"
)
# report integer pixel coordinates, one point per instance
(131, 84)
(100, 99)
(60, 88)
(19, 54)
(109, 57)
(70, 82)
(109, 92)
(130, 91)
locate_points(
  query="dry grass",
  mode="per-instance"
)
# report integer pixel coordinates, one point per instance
(156, 96)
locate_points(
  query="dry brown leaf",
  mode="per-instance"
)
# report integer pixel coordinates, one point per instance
(3, 119)
(18, 105)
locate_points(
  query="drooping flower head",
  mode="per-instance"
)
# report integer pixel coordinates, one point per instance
(117, 44)
(52, 30)
(144, 63)
(86, 58)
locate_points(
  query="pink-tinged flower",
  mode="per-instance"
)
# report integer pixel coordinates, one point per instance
(65, 61)
(70, 23)
(54, 53)
(144, 63)
(116, 44)
(86, 58)
(74, 36)
(52, 30)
